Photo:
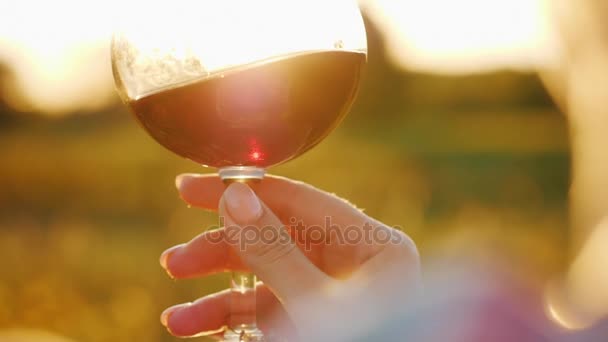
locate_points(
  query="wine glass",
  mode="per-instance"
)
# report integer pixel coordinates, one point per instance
(240, 86)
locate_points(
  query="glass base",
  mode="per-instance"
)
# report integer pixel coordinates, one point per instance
(241, 174)
(248, 334)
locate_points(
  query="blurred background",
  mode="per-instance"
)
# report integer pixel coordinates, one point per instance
(479, 130)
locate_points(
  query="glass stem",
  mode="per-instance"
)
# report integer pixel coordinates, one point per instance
(242, 325)
(243, 302)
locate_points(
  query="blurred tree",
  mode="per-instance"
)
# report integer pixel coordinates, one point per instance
(380, 94)
(391, 93)
(504, 89)
(6, 81)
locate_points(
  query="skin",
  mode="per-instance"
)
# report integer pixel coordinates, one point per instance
(303, 275)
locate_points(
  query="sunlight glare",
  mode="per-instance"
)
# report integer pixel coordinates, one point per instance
(467, 36)
(193, 48)
(58, 54)
(58, 50)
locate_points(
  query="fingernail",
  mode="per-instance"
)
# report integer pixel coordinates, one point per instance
(164, 317)
(181, 179)
(242, 203)
(164, 258)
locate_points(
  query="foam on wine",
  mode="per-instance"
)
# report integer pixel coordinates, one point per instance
(256, 115)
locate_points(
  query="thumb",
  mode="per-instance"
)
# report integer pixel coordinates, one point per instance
(263, 244)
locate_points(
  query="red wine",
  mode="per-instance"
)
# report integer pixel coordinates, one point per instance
(259, 115)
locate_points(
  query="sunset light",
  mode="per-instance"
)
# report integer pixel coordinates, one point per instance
(60, 51)
(446, 36)
(192, 50)
(315, 170)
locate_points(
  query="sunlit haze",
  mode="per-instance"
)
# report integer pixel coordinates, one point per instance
(193, 47)
(60, 50)
(444, 36)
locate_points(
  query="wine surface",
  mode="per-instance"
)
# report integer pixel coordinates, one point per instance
(260, 115)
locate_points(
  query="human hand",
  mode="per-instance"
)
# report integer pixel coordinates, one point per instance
(319, 257)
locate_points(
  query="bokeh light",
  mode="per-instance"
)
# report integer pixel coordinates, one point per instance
(58, 52)
(469, 35)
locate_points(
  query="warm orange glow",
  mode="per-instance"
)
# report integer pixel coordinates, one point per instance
(467, 35)
(59, 49)
(212, 36)
(58, 52)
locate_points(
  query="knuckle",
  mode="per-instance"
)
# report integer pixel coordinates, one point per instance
(269, 251)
